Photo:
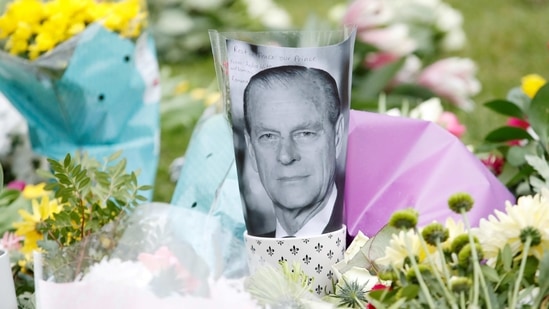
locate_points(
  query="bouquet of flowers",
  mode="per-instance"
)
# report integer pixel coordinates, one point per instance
(84, 75)
(87, 240)
(501, 263)
(398, 52)
(180, 27)
(518, 151)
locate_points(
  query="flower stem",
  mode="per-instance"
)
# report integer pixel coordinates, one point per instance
(447, 293)
(422, 284)
(514, 300)
(476, 266)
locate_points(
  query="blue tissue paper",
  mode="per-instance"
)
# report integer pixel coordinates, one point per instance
(97, 92)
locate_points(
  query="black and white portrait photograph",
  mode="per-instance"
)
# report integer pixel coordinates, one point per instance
(290, 122)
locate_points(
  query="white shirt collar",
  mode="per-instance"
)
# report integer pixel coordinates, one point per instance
(316, 225)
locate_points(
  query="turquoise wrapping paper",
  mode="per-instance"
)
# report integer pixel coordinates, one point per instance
(97, 92)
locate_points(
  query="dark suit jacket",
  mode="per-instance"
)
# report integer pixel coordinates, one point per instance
(336, 219)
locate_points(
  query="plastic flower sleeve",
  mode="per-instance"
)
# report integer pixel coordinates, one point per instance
(316, 66)
(155, 260)
(97, 92)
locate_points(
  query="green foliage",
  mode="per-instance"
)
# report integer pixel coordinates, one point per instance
(92, 195)
(526, 152)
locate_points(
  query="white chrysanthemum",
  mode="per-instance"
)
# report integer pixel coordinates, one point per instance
(397, 251)
(505, 227)
(127, 273)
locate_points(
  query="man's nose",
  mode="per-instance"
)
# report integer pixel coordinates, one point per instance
(288, 152)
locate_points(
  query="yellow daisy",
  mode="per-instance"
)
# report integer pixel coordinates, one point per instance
(28, 227)
(31, 192)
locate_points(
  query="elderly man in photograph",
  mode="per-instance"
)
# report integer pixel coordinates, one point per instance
(294, 136)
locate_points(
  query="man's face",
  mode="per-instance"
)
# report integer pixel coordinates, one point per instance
(293, 145)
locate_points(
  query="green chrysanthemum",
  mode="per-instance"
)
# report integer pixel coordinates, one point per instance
(460, 284)
(411, 275)
(460, 202)
(435, 233)
(465, 255)
(404, 219)
(460, 241)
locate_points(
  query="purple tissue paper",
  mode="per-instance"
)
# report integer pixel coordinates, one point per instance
(395, 163)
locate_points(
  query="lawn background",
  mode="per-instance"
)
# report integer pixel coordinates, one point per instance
(506, 38)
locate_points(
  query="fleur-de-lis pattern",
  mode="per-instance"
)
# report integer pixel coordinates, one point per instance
(315, 254)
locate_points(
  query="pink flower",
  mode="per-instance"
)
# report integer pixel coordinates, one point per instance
(367, 14)
(10, 241)
(494, 163)
(450, 122)
(453, 79)
(519, 123)
(163, 259)
(394, 39)
(18, 185)
(379, 59)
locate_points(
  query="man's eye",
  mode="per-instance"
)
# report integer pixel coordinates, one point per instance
(305, 135)
(266, 137)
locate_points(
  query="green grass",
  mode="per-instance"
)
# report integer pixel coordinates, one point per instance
(506, 38)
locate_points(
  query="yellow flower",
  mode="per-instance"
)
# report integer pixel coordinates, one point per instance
(182, 87)
(198, 93)
(34, 191)
(41, 211)
(212, 98)
(505, 227)
(530, 84)
(15, 46)
(30, 243)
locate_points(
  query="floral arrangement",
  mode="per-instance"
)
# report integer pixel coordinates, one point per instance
(30, 28)
(517, 151)
(181, 27)
(84, 201)
(500, 264)
(399, 52)
(57, 65)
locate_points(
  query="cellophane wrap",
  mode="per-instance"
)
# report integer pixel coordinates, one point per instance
(159, 256)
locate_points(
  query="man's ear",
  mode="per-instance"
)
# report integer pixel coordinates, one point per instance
(339, 131)
(250, 150)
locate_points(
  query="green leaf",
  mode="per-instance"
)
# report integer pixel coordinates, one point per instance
(10, 213)
(505, 134)
(544, 284)
(377, 80)
(538, 113)
(413, 90)
(410, 291)
(67, 161)
(490, 273)
(505, 107)
(506, 257)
